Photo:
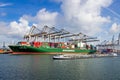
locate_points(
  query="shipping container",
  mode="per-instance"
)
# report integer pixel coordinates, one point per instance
(37, 44)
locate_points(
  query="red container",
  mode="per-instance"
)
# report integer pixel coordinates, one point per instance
(37, 44)
(52, 45)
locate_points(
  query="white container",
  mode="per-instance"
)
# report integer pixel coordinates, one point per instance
(72, 46)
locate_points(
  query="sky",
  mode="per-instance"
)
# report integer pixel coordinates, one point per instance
(98, 18)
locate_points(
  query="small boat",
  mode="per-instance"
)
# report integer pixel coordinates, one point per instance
(5, 51)
(114, 54)
(61, 57)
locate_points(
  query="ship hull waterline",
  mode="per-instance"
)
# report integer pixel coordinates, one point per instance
(43, 50)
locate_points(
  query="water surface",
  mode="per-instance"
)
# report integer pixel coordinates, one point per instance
(43, 67)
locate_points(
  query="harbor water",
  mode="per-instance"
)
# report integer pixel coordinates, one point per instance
(43, 67)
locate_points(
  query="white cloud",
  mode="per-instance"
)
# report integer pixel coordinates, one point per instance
(85, 15)
(78, 16)
(43, 17)
(3, 28)
(46, 18)
(115, 28)
(14, 29)
(19, 28)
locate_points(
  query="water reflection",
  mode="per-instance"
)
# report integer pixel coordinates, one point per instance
(43, 67)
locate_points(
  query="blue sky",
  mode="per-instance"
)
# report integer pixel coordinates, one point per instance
(16, 8)
(31, 7)
(93, 17)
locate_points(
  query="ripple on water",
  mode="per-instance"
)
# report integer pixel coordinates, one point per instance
(43, 67)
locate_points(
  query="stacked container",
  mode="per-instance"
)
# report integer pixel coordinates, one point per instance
(37, 44)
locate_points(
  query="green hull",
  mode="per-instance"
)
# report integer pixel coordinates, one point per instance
(31, 50)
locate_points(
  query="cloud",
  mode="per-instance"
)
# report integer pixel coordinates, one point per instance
(17, 29)
(5, 4)
(46, 17)
(76, 16)
(3, 28)
(13, 32)
(85, 15)
(43, 17)
(115, 28)
(14, 29)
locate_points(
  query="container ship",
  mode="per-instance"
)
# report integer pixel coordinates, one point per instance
(50, 40)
